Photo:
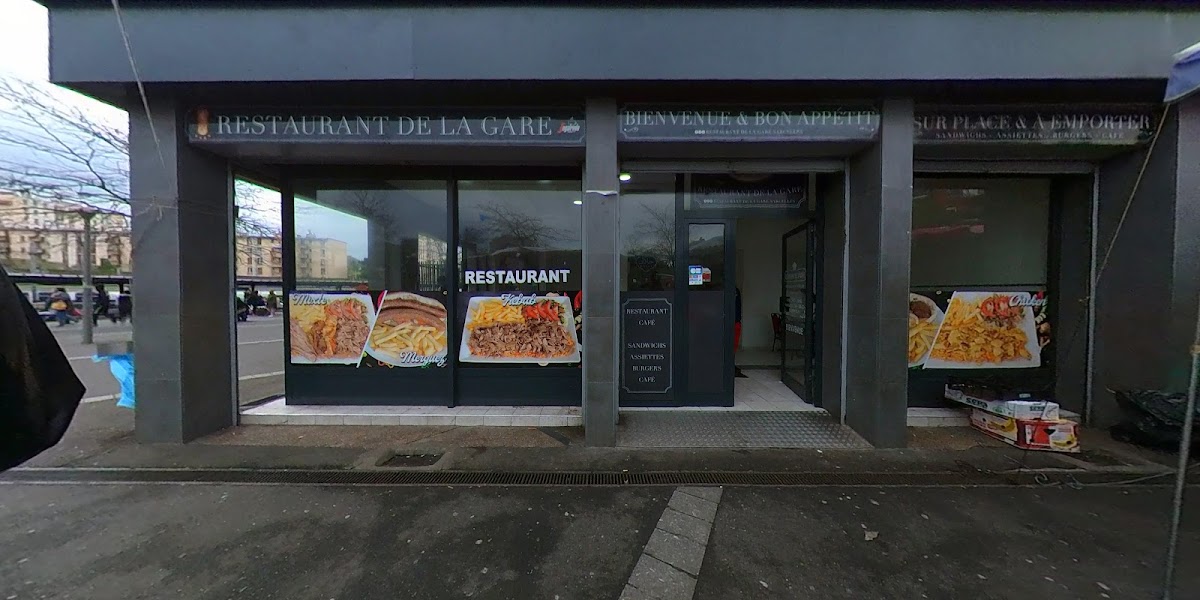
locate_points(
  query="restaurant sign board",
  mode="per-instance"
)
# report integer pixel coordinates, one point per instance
(646, 345)
(542, 127)
(1126, 126)
(748, 124)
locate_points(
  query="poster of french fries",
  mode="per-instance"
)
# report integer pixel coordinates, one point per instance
(409, 331)
(977, 329)
(367, 329)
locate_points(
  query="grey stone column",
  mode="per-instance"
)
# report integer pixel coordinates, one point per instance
(601, 291)
(1147, 292)
(880, 224)
(182, 289)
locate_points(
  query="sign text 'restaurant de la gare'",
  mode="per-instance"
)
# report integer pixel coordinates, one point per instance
(542, 127)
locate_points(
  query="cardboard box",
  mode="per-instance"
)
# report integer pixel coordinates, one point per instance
(1057, 435)
(1018, 409)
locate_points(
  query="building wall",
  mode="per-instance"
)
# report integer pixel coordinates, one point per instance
(47, 236)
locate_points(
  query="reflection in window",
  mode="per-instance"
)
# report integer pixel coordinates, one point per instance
(648, 233)
(520, 236)
(980, 232)
(381, 235)
(706, 256)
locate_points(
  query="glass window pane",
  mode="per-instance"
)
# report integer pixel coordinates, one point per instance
(706, 256)
(381, 235)
(980, 232)
(520, 258)
(648, 233)
(520, 236)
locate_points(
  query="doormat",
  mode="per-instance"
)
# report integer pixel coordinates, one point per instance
(738, 373)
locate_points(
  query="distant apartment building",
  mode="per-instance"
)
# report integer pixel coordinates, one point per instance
(44, 236)
(316, 258)
(321, 258)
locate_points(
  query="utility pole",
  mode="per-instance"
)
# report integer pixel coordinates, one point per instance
(35, 255)
(86, 258)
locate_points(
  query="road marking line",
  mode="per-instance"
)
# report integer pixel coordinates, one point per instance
(260, 376)
(670, 562)
(242, 378)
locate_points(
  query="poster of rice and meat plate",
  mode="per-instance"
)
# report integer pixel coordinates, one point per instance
(519, 328)
(977, 330)
(387, 328)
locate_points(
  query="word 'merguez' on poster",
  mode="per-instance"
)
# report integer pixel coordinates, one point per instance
(519, 328)
(977, 329)
(366, 329)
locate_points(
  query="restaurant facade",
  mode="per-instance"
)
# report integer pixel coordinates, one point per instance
(616, 207)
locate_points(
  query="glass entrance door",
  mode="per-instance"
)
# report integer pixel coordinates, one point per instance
(797, 308)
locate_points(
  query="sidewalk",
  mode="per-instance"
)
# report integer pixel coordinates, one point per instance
(101, 437)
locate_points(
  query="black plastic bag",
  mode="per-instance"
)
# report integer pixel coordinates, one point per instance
(39, 391)
(1151, 418)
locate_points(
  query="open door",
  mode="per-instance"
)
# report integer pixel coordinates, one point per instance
(797, 309)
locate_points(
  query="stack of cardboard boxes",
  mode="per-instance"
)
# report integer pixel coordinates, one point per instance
(1017, 418)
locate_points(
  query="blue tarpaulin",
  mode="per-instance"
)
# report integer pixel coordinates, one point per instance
(1185, 75)
(121, 366)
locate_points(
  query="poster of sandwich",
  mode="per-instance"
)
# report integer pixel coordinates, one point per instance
(409, 331)
(328, 328)
(977, 330)
(519, 328)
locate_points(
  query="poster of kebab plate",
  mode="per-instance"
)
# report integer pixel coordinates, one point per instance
(367, 329)
(977, 329)
(519, 328)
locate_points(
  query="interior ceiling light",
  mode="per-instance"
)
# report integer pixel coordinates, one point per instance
(625, 177)
(579, 202)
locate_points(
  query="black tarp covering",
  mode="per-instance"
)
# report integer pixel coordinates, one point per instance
(39, 391)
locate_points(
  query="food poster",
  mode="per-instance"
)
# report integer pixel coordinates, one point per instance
(511, 328)
(367, 329)
(977, 329)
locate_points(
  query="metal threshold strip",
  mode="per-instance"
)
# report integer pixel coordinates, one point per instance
(373, 477)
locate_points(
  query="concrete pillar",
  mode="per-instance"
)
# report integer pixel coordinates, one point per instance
(183, 334)
(601, 289)
(880, 224)
(1147, 293)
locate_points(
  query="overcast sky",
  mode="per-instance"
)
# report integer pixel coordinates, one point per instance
(24, 52)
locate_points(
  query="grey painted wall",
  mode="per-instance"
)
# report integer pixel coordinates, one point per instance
(831, 190)
(1146, 298)
(182, 218)
(290, 43)
(601, 288)
(880, 224)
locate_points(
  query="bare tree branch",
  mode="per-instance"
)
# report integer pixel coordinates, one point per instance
(56, 150)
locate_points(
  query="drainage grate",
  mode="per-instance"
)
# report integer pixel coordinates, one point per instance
(578, 479)
(411, 460)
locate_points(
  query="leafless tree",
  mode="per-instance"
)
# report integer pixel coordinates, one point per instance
(52, 149)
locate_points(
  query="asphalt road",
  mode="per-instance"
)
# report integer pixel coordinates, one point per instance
(325, 542)
(260, 357)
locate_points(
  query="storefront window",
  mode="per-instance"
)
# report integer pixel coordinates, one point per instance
(520, 256)
(382, 235)
(979, 271)
(980, 232)
(648, 233)
(371, 275)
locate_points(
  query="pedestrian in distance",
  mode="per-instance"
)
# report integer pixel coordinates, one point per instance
(60, 303)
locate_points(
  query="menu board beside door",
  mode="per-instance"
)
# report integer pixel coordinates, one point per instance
(646, 345)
